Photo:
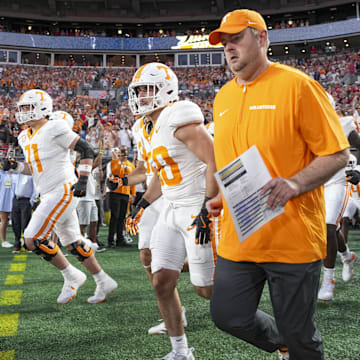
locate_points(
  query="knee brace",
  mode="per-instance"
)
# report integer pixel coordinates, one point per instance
(45, 250)
(81, 250)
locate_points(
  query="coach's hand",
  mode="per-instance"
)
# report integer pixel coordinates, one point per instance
(133, 219)
(79, 188)
(204, 226)
(280, 190)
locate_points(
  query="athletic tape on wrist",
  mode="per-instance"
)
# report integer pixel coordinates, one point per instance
(85, 168)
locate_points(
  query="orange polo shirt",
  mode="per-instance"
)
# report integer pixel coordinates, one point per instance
(279, 112)
(123, 168)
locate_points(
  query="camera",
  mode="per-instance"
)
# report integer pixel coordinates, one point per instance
(123, 152)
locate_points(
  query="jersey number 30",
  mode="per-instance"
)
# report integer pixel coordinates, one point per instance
(169, 172)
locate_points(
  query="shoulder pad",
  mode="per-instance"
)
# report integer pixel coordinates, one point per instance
(22, 135)
(183, 113)
(57, 128)
(137, 126)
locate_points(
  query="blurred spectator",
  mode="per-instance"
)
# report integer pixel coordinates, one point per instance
(119, 198)
(24, 199)
(7, 189)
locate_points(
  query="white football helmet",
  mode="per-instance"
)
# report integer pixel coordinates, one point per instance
(38, 104)
(63, 115)
(351, 163)
(161, 86)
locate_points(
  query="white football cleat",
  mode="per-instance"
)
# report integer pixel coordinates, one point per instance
(326, 292)
(103, 288)
(348, 267)
(6, 244)
(69, 290)
(161, 328)
(175, 356)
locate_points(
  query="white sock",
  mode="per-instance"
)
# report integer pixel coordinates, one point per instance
(346, 255)
(329, 274)
(68, 271)
(99, 275)
(179, 344)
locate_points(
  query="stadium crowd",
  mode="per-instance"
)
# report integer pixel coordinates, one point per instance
(69, 86)
(106, 121)
(84, 31)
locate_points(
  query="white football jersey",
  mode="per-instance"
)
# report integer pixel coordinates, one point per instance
(181, 173)
(46, 150)
(348, 125)
(143, 146)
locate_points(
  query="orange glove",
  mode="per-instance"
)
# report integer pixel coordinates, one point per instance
(133, 219)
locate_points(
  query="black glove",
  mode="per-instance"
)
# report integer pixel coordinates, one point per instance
(79, 188)
(9, 163)
(353, 176)
(113, 182)
(204, 226)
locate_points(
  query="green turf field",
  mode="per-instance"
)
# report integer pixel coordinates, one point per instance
(117, 328)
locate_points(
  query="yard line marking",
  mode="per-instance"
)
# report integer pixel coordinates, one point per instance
(14, 280)
(7, 355)
(17, 267)
(9, 324)
(20, 257)
(10, 297)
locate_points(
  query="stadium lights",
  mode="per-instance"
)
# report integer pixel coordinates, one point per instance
(286, 48)
(347, 45)
(270, 27)
(119, 31)
(161, 31)
(270, 53)
(303, 50)
(327, 43)
(203, 29)
(290, 22)
(286, 52)
(345, 41)
(29, 27)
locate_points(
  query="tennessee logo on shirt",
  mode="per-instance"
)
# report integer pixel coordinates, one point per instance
(262, 107)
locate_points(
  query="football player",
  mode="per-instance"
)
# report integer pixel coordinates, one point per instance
(46, 146)
(337, 192)
(147, 218)
(181, 152)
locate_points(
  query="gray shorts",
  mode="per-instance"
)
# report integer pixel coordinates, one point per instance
(87, 212)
